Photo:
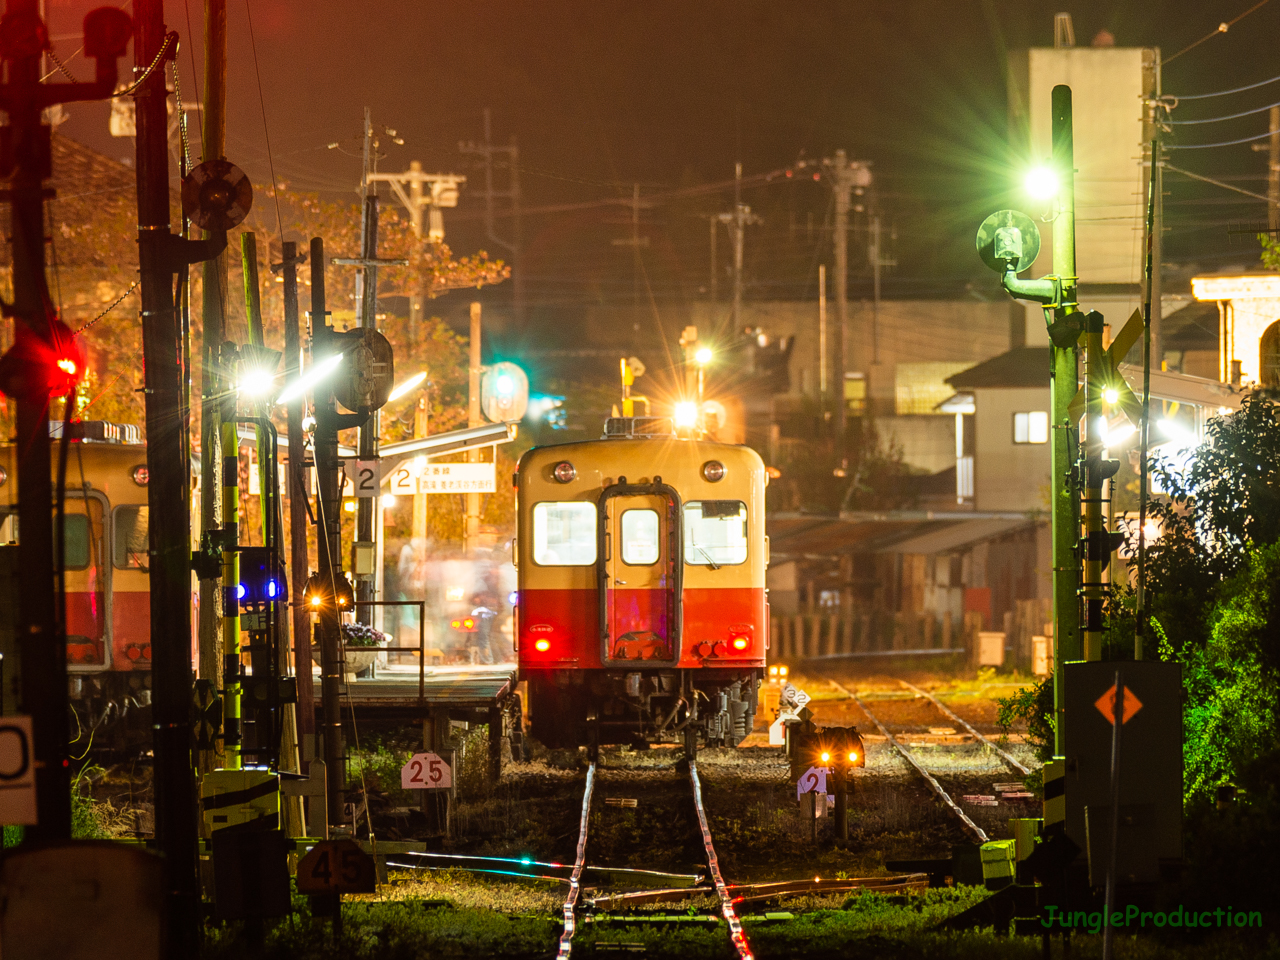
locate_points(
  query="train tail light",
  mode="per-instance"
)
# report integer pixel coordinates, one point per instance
(542, 646)
(740, 643)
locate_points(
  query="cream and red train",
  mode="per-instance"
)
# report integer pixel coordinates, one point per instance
(642, 615)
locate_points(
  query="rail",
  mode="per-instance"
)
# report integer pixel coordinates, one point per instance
(571, 901)
(736, 933)
(1008, 758)
(910, 758)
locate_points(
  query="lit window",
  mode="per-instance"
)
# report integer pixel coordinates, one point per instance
(129, 544)
(715, 532)
(564, 534)
(1031, 427)
(640, 545)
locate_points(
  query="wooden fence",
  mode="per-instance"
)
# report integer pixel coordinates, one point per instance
(814, 635)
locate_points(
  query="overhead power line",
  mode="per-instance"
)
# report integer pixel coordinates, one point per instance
(1206, 146)
(1222, 93)
(1221, 28)
(1216, 183)
(1230, 116)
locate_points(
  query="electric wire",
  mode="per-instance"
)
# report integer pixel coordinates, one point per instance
(1207, 146)
(1210, 180)
(1231, 116)
(1221, 28)
(1222, 93)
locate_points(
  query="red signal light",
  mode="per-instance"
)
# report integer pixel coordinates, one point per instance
(542, 646)
(37, 366)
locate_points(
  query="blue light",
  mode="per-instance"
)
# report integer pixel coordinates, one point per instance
(513, 597)
(241, 590)
(272, 590)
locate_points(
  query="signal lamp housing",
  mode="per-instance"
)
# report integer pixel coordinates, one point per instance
(318, 592)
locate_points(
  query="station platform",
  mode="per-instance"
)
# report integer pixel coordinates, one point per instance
(395, 692)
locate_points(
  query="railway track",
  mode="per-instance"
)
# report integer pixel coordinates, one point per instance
(919, 766)
(736, 932)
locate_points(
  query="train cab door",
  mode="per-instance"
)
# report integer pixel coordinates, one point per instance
(640, 575)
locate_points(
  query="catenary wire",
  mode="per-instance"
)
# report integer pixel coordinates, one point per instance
(1206, 146)
(1221, 28)
(1222, 93)
(1230, 116)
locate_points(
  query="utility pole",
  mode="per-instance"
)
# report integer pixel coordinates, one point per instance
(843, 188)
(878, 261)
(442, 192)
(635, 242)
(714, 222)
(298, 559)
(514, 246)
(367, 315)
(847, 178)
(159, 256)
(822, 337)
(42, 364)
(1273, 173)
(214, 299)
(421, 429)
(473, 420)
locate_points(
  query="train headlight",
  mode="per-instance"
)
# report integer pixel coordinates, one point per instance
(564, 472)
(542, 646)
(740, 643)
(713, 471)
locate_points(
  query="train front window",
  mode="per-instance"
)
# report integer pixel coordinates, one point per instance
(640, 544)
(129, 542)
(77, 546)
(715, 533)
(564, 534)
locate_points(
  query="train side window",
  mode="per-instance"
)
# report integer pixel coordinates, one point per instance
(564, 534)
(715, 532)
(640, 538)
(129, 541)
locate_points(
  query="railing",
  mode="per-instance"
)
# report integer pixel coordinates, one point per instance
(866, 633)
(422, 637)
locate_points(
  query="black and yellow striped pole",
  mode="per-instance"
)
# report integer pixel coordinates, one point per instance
(231, 734)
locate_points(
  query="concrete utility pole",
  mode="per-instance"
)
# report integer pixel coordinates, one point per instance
(714, 222)
(168, 493)
(42, 364)
(473, 420)
(822, 337)
(442, 191)
(214, 299)
(421, 430)
(878, 262)
(512, 193)
(635, 242)
(737, 220)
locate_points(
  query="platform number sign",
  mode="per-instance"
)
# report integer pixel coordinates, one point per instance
(367, 478)
(813, 779)
(337, 866)
(426, 771)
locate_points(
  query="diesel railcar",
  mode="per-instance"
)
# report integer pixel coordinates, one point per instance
(642, 615)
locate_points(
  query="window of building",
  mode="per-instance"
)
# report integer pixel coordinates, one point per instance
(640, 545)
(1031, 427)
(564, 534)
(715, 532)
(129, 543)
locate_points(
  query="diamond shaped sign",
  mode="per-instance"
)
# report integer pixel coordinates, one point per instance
(1106, 705)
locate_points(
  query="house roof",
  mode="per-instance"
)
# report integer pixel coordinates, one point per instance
(1019, 367)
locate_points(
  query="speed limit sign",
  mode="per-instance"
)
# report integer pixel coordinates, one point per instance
(426, 771)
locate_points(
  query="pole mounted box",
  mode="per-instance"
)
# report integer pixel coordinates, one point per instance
(1150, 765)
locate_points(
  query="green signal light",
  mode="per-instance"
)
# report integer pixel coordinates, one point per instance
(1041, 183)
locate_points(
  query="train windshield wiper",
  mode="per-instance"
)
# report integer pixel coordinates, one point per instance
(711, 563)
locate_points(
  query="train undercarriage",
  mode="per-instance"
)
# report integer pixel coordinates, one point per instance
(592, 708)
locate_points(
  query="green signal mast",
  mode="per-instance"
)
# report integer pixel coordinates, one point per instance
(1008, 242)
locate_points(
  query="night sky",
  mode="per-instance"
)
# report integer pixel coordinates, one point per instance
(605, 93)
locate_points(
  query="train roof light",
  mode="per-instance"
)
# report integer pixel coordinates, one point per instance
(564, 472)
(713, 471)
(686, 415)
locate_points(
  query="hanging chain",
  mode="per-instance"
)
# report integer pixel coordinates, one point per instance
(170, 39)
(182, 120)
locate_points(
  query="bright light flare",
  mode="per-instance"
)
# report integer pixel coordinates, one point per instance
(1151, 531)
(1111, 395)
(686, 415)
(313, 375)
(388, 501)
(703, 356)
(256, 382)
(506, 386)
(1041, 183)
(67, 366)
(1121, 433)
(408, 385)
